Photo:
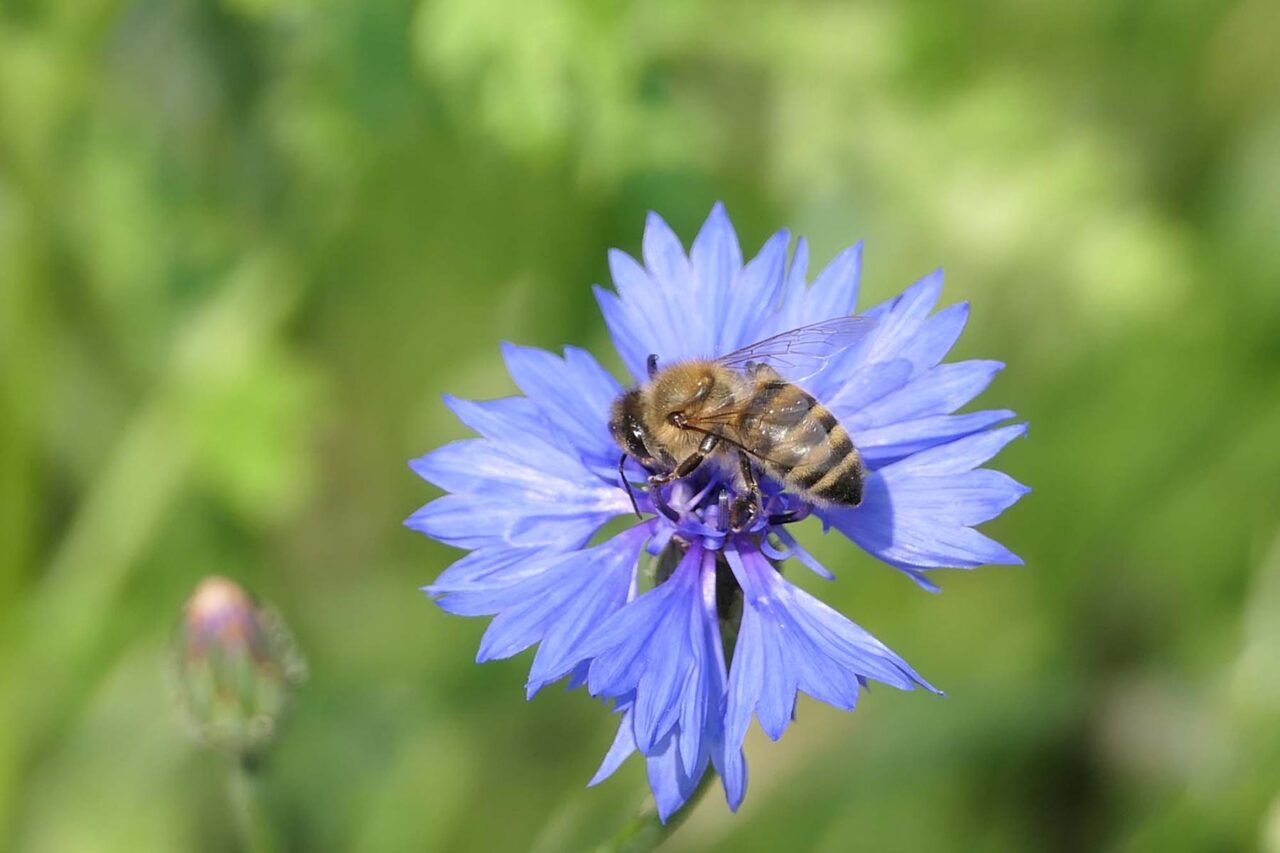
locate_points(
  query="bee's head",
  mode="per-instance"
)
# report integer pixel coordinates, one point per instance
(627, 426)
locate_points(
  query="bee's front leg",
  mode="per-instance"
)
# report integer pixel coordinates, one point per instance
(689, 464)
(744, 507)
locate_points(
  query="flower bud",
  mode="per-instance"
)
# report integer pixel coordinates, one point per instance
(236, 665)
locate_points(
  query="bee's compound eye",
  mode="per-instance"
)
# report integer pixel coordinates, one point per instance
(628, 431)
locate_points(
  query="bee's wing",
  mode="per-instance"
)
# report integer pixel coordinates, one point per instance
(802, 352)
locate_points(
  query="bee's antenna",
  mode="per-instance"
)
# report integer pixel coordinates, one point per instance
(626, 484)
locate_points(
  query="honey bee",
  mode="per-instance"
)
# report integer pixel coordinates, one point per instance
(740, 413)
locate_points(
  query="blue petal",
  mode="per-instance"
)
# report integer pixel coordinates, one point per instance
(478, 465)
(670, 784)
(645, 310)
(716, 254)
(606, 574)
(664, 255)
(835, 291)
(716, 258)
(671, 781)
(665, 650)
(963, 455)
(553, 604)
(515, 487)
(701, 727)
(734, 775)
(797, 287)
(935, 337)
(489, 580)
(479, 521)
(482, 566)
(789, 642)
(573, 395)
(517, 427)
(619, 647)
(578, 677)
(668, 267)
(918, 512)
(834, 294)
(754, 296)
(595, 386)
(939, 391)
(958, 499)
(630, 334)
(901, 318)
(645, 648)
(848, 397)
(886, 444)
(746, 684)
(661, 689)
(619, 751)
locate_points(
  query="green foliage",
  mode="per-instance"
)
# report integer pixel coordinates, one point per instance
(246, 245)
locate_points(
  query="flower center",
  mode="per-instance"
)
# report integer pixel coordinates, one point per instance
(700, 507)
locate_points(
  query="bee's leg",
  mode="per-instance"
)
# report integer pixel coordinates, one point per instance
(689, 464)
(743, 510)
(661, 505)
(791, 515)
(626, 484)
(651, 364)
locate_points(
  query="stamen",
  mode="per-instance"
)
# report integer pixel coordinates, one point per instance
(699, 508)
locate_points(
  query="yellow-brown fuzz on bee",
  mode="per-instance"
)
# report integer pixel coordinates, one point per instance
(781, 428)
(705, 393)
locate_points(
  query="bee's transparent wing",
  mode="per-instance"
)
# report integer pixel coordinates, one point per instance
(802, 352)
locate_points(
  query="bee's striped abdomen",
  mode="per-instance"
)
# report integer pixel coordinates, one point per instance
(841, 481)
(831, 470)
(803, 444)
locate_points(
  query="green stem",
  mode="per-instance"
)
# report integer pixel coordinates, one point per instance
(252, 822)
(646, 831)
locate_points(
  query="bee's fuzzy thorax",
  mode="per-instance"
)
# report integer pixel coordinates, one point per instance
(695, 389)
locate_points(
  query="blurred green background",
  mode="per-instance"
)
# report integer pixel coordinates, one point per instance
(246, 245)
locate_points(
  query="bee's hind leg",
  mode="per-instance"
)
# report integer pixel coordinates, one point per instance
(660, 504)
(745, 506)
(791, 516)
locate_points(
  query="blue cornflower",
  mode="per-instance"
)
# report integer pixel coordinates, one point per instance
(722, 636)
